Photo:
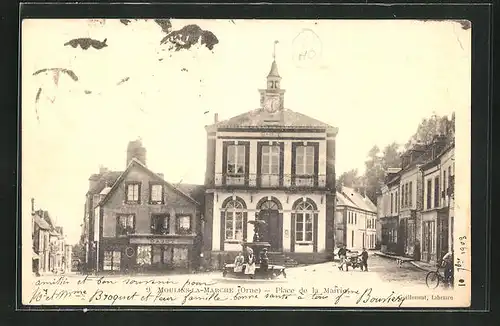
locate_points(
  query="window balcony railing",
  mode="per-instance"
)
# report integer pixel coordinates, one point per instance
(235, 179)
(270, 181)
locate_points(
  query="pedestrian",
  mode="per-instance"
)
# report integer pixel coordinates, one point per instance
(264, 261)
(238, 263)
(343, 258)
(448, 268)
(364, 260)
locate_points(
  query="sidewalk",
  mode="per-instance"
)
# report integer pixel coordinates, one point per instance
(418, 264)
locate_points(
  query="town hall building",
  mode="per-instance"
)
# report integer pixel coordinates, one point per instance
(271, 164)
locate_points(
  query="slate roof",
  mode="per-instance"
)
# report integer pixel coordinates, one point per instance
(136, 162)
(359, 201)
(431, 163)
(260, 118)
(108, 177)
(45, 216)
(274, 70)
(42, 224)
(343, 200)
(195, 191)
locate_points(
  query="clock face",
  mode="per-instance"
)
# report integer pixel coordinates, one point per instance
(272, 104)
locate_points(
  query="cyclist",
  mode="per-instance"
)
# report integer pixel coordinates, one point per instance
(448, 267)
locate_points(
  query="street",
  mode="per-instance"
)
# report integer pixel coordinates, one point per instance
(381, 270)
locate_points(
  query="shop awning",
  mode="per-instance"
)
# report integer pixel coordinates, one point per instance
(35, 256)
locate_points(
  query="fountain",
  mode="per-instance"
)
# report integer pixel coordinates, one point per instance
(254, 263)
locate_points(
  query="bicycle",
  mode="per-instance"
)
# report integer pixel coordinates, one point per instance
(434, 278)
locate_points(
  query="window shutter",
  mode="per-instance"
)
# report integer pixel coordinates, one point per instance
(294, 162)
(259, 162)
(224, 161)
(292, 234)
(222, 229)
(247, 162)
(163, 194)
(316, 160)
(315, 232)
(282, 163)
(245, 221)
(280, 231)
(139, 193)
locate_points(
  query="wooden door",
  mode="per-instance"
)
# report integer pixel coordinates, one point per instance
(271, 231)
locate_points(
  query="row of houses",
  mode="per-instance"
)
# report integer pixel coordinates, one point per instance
(51, 253)
(416, 205)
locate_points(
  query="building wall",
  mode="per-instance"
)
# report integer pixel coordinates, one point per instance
(409, 177)
(286, 201)
(430, 175)
(241, 136)
(340, 226)
(175, 204)
(387, 218)
(448, 164)
(410, 225)
(359, 232)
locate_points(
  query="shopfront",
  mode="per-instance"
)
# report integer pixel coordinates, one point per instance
(389, 234)
(148, 254)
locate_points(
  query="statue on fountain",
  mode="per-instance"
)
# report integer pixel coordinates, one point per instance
(257, 228)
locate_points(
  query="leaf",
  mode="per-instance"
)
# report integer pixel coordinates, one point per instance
(188, 36)
(70, 73)
(165, 24)
(85, 43)
(123, 80)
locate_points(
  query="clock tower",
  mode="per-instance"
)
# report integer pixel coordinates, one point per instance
(272, 98)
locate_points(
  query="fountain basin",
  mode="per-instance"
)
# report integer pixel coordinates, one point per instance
(273, 272)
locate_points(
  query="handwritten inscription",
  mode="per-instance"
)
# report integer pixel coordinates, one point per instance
(109, 290)
(307, 48)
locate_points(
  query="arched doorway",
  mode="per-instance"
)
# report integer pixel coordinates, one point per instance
(269, 211)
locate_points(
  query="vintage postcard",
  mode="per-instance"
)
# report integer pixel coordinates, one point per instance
(270, 163)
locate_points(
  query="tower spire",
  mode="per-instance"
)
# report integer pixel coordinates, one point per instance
(271, 97)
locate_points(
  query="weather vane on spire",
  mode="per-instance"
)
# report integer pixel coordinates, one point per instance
(274, 50)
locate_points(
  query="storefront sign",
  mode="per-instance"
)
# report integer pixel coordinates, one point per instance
(160, 241)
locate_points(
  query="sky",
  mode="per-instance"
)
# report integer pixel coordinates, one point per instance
(374, 80)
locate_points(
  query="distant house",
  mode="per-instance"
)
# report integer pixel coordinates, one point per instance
(355, 220)
(48, 242)
(40, 235)
(141, 222)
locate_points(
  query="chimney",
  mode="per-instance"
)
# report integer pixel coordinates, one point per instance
(216, 118)
(102, 169)
(137, 151)
(33, 205)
